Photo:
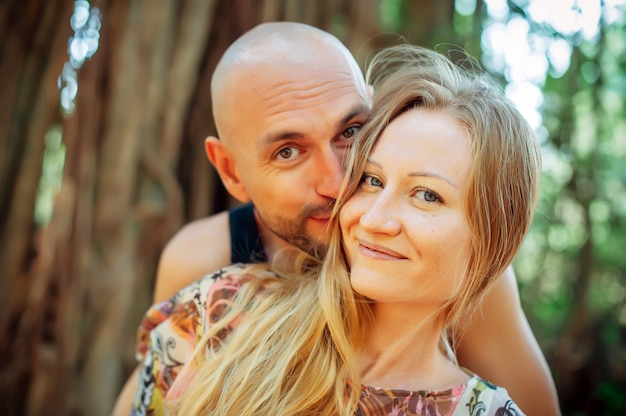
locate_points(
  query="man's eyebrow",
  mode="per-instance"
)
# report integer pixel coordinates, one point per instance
(357, 111)
(418, 173)
(280, 136)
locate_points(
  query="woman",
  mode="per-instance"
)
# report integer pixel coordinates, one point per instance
(442, 184)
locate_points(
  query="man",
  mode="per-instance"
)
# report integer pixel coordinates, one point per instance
(288, 99)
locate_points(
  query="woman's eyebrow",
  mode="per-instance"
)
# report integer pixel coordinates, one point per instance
(433, 175)
(418, 173)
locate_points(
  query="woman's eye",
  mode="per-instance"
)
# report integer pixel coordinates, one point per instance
(427, 195)
(372, 181)
(287, 153)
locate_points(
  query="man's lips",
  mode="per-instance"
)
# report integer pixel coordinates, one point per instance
(324, 218)
(378, 252)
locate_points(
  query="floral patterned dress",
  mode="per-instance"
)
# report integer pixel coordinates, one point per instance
(169, 332)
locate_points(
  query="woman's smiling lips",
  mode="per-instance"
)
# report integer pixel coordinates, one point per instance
(378, 252)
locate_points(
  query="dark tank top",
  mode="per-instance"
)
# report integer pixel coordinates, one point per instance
(245, 242)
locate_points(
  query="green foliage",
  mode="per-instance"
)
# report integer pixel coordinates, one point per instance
(51, 175)
(572, 267)
(391, 15)
(612, 395)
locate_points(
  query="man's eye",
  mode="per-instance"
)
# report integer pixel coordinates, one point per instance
(287, 153)
(351, 132)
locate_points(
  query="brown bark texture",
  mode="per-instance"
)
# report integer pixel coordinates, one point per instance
(72, 290)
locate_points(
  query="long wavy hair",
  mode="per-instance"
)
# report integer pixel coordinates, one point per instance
(294, 350)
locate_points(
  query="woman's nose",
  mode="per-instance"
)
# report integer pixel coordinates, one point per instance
(381, 216)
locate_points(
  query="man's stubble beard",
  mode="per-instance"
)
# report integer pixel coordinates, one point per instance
(294, 231)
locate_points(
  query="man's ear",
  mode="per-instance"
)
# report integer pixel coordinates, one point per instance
(224, 163)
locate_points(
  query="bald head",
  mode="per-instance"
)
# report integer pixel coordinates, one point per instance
(274, 52)
(288, 101)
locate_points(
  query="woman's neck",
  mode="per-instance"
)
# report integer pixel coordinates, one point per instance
(403, 351)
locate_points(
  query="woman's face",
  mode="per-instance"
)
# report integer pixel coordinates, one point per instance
(404, 230)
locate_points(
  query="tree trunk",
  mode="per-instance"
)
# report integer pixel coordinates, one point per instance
(73, 289)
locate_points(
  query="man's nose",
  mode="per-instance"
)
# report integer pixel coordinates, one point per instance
(330, 174)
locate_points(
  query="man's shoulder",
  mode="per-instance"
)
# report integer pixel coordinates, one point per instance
(197, 232)
(200, 247)
(201, 240)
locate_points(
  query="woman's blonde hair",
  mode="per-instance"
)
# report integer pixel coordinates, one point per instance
(293, 352)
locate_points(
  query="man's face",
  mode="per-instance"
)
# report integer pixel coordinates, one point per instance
(292, 133)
